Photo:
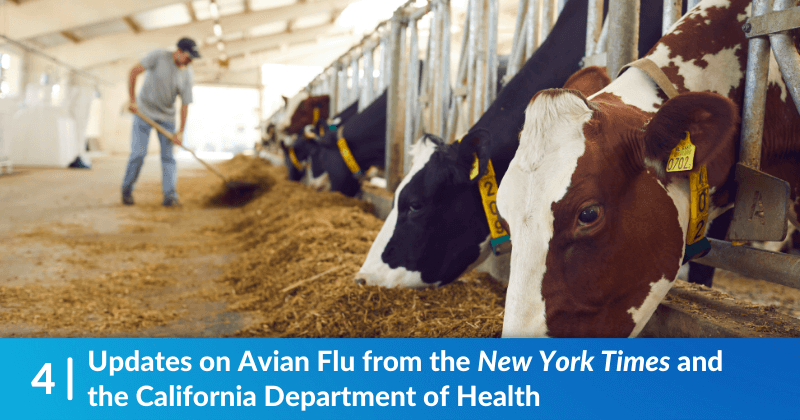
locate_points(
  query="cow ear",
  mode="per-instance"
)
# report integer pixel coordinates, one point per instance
(475, 143)
(710, 119)
(589, 80)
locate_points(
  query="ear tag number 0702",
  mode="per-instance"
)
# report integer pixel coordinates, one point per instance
(682, 156)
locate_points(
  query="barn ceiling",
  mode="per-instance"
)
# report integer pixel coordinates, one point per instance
(90, 34)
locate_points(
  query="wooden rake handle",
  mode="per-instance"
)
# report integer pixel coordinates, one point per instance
(169, 135)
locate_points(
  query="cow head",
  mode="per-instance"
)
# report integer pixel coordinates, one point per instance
(436, 229)
(598, 225)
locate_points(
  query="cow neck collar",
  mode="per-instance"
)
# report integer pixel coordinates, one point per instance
(696, 243)
(347, 155)
(295, 161)
(487, 186)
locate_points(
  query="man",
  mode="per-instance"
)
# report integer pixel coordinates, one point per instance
(168, 75)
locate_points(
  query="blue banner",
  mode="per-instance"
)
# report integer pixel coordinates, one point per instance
(399, 378)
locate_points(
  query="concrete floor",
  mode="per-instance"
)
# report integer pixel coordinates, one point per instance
(47, 211)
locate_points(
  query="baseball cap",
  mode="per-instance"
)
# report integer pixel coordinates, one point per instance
(188, 45)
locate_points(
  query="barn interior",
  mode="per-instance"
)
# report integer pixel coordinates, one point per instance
(75, 261)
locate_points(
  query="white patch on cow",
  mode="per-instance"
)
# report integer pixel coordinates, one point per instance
(374, 270)
(697, 79)
(641, 315)
(702, 8)
(775, 77)
(551, 142)
(635, 88)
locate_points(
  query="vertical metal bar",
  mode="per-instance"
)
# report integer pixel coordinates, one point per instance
(395, 120)
(491, 55)
(594, 23)
(412, 83)
(433, 73)
(355, 78)
(690, 4)
(786, 55)
(444, 79)
(537, 26)
(530, 27)
(623, 31)
(602, 43)
(513, 64)
(517, 51)
(672, 13)
(383, 67)
(342, 68)
(547, 13)
(473, 35)
(755, 94)
(480, 66)
(561, 4)
(369, 78)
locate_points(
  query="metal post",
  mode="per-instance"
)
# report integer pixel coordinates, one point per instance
(444, 67)
(479, 91)
(383, 65)
(594, 24)
(333, 87)
(412, 83)
(787, 55)
(755, 94)
(672, 13)
(342, 71)
(367, 93)
(690, 4)
(491, 55)
(395, 119)
(355, 80)
(623, 30)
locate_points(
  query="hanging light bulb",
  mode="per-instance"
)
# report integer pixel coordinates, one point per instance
(217, 29)
(214, 9)
(220, 45)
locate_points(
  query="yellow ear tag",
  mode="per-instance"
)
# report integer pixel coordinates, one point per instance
(682, 156)
(474, 172)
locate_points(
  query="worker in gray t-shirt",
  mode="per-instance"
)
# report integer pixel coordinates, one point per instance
(168, 75)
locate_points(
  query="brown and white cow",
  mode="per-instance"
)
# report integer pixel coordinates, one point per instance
(598, 225)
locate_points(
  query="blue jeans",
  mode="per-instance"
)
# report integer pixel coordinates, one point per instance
(140, 136)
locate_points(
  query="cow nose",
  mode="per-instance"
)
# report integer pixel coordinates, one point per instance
(363, 278)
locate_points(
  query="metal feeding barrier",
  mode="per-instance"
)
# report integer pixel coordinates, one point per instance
(427, 98)
(762, 200)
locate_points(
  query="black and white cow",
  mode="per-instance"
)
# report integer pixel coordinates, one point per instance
(365, 134)
(437, 228)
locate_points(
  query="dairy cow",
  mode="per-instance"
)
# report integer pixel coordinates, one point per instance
(600, 227)
(437, 228)
(362, 137)
(297, 154)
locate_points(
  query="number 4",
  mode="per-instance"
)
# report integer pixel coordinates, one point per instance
(45, 370)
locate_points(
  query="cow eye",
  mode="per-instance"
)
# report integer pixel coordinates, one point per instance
(589, 214)
(414, 207)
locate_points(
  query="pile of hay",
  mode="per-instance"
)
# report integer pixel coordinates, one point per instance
(239, 170)
(300, 250)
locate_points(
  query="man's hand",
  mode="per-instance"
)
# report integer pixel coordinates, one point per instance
(177, 138)
(132, 107)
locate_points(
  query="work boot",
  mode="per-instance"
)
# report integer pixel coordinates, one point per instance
(172, 202)
(127, 200)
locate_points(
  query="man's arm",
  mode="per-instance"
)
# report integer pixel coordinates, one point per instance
(178, 137)
(135, 72)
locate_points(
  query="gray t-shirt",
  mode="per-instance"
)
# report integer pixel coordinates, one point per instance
(162, 83)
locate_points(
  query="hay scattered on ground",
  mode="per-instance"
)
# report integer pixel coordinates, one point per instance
(300, 251)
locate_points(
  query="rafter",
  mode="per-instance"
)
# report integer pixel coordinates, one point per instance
(268, 42)
(132, 24)
(70, 36)
(190, 9)
(41, 17)
(105, 49)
